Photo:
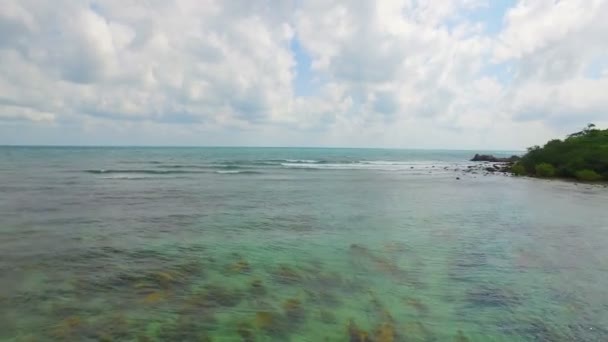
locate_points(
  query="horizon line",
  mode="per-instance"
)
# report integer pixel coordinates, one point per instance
(239, 146)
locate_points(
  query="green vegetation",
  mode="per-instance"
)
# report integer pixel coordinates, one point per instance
(518, 169)
(544, 170)
(582, 155)
(588, 175)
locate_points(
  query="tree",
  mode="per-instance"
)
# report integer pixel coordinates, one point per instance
(590, 127)
(583, 155)
(588, 175)
(545, 170)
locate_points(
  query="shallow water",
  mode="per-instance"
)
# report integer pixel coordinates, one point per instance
(231, 244)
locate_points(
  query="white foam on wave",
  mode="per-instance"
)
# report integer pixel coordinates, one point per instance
(379, 165)
(390, 162)
(227, 171)
(127, 176)
(351, 166)
(302, 161)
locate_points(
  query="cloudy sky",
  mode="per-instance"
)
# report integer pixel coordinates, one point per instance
(459, 74)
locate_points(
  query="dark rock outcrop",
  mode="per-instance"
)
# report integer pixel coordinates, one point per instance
(491, 158)
(498, 165)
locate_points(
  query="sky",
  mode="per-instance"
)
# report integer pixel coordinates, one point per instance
(459, 74)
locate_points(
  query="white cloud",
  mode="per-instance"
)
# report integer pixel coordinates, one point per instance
(538, 25)
(186, 61)
(23, 113)
(553, 46)
(225, 70)
(396, 58)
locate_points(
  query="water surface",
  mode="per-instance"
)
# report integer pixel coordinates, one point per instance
(231, 244)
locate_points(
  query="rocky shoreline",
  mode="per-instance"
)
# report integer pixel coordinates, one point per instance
(489, 164)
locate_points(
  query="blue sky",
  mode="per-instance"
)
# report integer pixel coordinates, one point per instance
(501, 74)
(305, 82)
(491, 14)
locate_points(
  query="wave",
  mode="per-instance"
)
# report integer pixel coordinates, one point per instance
(183, 166)
(337, 166)
(376, 165)
(257, 166)
(264, 162)
(302, 161)
(228, 172)
(390, 162)
(355, 162)
(130, 177)
(145, 171)
(237, 164)
(156, 162)
(205, 167)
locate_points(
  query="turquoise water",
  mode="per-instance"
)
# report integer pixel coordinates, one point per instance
(235, 244)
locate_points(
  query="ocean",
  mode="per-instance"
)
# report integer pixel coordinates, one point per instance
(294, 244)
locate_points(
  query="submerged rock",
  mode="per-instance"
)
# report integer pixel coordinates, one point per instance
(257, 288)
(155, 297)
(460, 337)
(326, 280)
(287, 275)
(379, 262)
(327, 317)
(68, 328)
(115, 327)
(355, 334)
(323, 297)
(486, 296)
(274, 324)
(396, 247)
(265, 319)
(199, 307)
(164, 279)
(378, 309)
(219, 296)
(385, 333)
(241, 266)
(535, 330)
(160, 280)
(245, 331)
(185, 329)
(418, 305)
(416, 331)
(293, 310)
(356, 248)
(191, 269)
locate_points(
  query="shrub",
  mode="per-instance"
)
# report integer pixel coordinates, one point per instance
(584, 150)
(588, 175)
(545, 170)
(518, 169)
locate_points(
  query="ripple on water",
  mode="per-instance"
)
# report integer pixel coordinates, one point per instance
(329, 255)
